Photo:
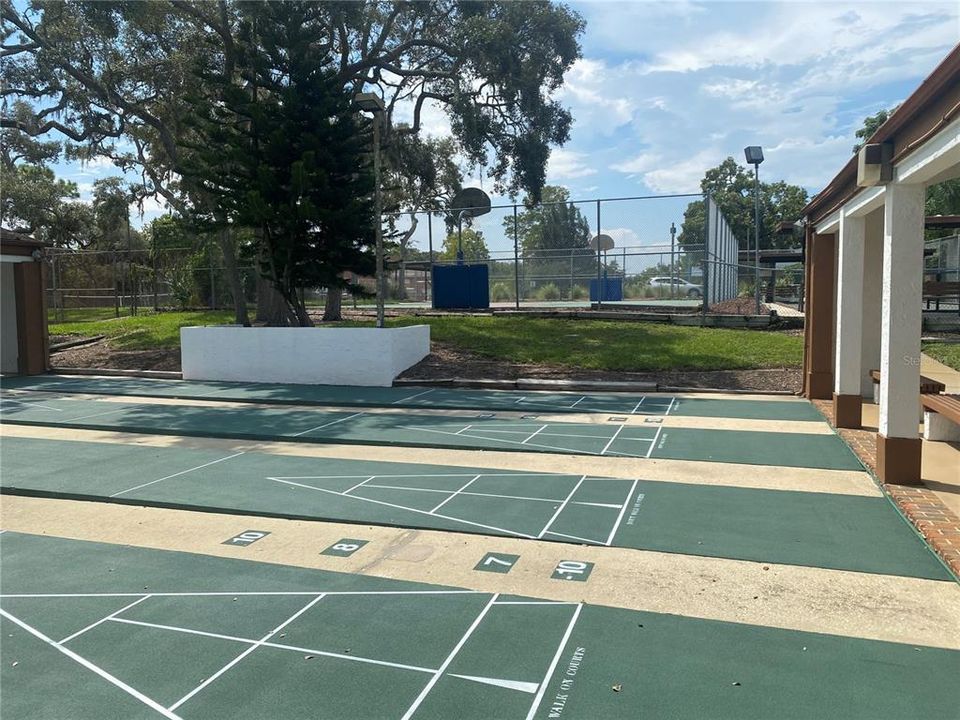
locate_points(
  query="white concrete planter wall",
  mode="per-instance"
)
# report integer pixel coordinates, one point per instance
(311, 356)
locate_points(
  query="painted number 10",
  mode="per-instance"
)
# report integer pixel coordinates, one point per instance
(572, 570)
(246, 538)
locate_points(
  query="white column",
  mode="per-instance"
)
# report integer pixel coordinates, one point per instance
(846, 376)
(872, 297)
(901, 312)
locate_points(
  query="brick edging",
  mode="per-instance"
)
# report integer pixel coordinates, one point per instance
(937, 523)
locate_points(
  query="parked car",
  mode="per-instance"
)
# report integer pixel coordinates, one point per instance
(679, 287)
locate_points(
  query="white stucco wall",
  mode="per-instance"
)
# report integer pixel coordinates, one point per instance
(313, 356)
(9, 349)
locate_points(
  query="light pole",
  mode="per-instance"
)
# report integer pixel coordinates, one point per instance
(673, 260)
(754, 155)
(372, 103)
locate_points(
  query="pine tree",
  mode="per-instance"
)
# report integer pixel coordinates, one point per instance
(285, 153)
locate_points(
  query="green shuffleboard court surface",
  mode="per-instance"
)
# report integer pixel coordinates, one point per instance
(417, 397)
(799, 528)
(110, 632)
(529, 434)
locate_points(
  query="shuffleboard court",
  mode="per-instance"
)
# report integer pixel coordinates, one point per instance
(260, 422)
(108, 632)
(431, 397)
(856, 533)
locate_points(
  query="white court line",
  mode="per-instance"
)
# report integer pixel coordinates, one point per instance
(182, 472)
(408, 399)
(252, 593)
(409, 509)
(582, 398)
(479, 494)
(610, 441)
(623, 511)
(246, 652)
(670, 406)
(92, 625)
(277, 646)
(541, 434)
(534, 434)
(466, 427)
(446, 663)
(417, 475)
(334, 422)
(654, 443)
(534, 602)
(452, 496)
(575, 537)
(637, 406)
(553, 664)
(562, 506)
(41, 406)
(93, 668)
(87, 417)
(359, 484)
(566, 451)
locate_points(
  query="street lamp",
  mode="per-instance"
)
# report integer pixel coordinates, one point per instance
(373, 104)
(754, 155)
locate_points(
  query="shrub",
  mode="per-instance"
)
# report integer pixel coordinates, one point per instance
(501, 292)
(548, 292)
(579, 292)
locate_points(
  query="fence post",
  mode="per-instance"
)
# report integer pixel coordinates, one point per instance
(706, 263)
(428, 287)
(213, 289)
(516, 260)
(156, 304)
(116, 298)
(599, 263)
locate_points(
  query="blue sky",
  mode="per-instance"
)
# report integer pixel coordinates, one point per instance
(666, 90)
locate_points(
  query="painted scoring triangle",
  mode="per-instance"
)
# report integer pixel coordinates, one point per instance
(527, 687)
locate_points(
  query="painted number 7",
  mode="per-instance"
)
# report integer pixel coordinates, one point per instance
(497, 562)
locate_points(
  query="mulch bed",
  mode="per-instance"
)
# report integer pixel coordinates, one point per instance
(739, 306)
(446, 362)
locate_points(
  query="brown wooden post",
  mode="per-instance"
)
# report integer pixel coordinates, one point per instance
(818, 332)
(32, 334)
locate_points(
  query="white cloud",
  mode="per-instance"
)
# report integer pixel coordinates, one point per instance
(623, 236)
(567, 165)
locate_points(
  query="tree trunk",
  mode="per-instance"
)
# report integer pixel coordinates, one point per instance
(270, 304)
(228, 249)
(331, 310)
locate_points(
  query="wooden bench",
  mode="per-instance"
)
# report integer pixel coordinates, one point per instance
(941, 417)
(927, 385)
(937, 290)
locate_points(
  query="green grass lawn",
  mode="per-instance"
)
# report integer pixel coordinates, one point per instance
(146, 331)
(615, 345)
(587, 344)
(947, 353)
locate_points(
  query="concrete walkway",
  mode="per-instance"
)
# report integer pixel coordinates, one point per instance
(936, 370)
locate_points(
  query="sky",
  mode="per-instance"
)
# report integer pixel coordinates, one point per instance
(666, 90)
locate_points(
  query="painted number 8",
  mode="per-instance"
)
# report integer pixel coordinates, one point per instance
(345, 547)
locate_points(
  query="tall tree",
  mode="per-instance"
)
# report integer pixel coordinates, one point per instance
(871, 124)
(731, 187)
(554, 237)
(474, 246)
(286, 155)
(95, 72)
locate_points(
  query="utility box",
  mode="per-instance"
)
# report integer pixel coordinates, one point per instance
(461, 287)
(612, 289)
